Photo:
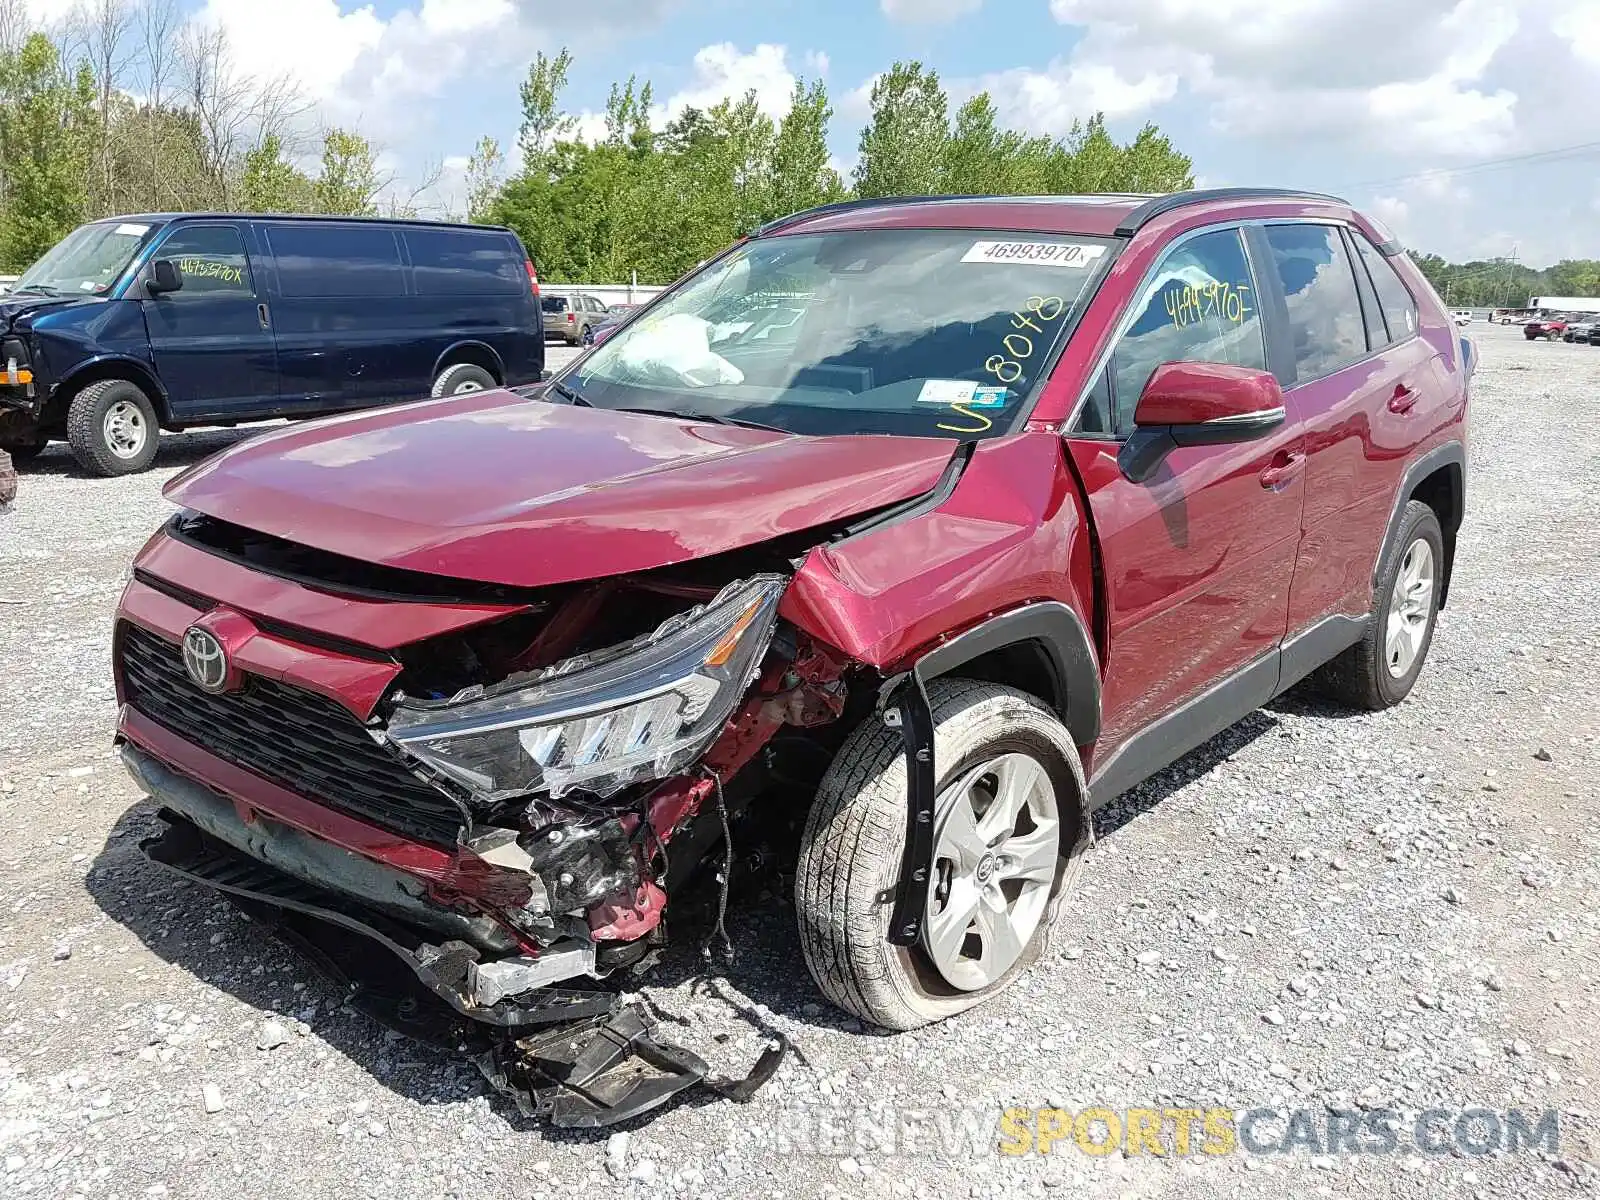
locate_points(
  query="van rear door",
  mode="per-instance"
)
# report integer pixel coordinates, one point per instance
(213, 346)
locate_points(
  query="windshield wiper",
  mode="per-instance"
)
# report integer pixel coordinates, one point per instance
(694, 416)
(567, 394)
(40, 288)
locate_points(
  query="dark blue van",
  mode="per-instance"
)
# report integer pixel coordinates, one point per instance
(136, 324)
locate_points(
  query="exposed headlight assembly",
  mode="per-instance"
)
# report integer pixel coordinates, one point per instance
(643, 710)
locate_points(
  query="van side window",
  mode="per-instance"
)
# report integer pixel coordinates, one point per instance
(318, 261)
(1200, 307)
(1399, 307)
(1319, 285)
(210, 259)
(450, 262)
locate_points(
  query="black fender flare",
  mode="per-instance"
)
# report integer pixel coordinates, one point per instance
(1449, 454)
(903, 705)
(1059, 633)
(453, 355)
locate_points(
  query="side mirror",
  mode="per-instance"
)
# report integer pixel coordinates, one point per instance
(164, 277)
(1199, 404)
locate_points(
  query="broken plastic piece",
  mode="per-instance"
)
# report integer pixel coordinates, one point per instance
(596, 1073)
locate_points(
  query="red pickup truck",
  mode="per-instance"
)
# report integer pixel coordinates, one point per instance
(1033, 497)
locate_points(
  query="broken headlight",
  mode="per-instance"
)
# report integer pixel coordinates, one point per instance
(643, 710)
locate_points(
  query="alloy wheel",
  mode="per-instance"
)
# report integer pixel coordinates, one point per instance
(995, 860)
(1410, 609)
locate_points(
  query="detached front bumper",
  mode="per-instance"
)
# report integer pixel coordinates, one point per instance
(574, 1056)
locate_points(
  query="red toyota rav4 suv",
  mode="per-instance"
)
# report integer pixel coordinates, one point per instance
(935, 523)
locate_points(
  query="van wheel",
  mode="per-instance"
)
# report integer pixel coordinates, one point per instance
(460, 379)
(112, 428)
(1007, 853)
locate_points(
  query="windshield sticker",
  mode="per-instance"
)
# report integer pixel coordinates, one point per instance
(133, 230)
(990, 397)
(1035, 254)
(946, 391)
(88, 285)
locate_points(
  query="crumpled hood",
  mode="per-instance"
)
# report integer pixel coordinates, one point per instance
(502, 489)
(12, 307)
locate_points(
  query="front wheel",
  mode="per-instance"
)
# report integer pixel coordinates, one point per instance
(1009, 837)
(112, 428)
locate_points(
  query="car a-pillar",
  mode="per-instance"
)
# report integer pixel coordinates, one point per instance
(952, 823)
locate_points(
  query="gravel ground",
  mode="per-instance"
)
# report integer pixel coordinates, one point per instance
(1314, 911)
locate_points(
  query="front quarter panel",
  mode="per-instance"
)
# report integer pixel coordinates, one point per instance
(1012, 531)
(68, 338)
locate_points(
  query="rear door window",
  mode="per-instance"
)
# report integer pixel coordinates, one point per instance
(1399, 307)
(457, 262)
(1200, 307)
(319, 261)
(1319, 286)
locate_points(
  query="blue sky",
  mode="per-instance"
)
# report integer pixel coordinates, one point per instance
(1412, 108)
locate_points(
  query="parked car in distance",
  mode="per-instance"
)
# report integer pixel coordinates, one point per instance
(571, 317)
(1462, 316)
(137, 324)
(992, 533)
(1582, 331)
(1549, 328)
(607, 325)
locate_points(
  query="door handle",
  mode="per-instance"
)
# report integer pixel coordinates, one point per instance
(264, 317)
(1282, 471)
(1403, 400)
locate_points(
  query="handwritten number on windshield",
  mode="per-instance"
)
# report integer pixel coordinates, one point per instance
(1019, 347)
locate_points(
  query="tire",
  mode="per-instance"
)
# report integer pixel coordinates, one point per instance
(112, 428)
(22, 452)
(461, 379)
(1367, 675)
(855, 835)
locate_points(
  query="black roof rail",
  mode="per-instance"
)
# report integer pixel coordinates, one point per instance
(823, 210)
(1155, 207)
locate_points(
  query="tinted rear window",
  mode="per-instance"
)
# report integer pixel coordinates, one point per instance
(554, 303)
(1399, 309)
(318, 261)
(457, 262)
(1320, 287)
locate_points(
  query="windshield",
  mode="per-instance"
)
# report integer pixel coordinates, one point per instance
(929, 332)
(87, 261)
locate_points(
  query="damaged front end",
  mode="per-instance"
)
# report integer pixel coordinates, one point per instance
(588, 776)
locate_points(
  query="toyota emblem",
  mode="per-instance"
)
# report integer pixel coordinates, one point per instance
(205, 660)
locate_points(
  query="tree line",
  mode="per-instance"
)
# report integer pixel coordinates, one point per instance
(1502, 283)
(657, 196)
(129, 106)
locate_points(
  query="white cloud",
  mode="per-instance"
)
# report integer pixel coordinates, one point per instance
(928, 12)
(1295, 69)
(722, 72)
(1048, 101)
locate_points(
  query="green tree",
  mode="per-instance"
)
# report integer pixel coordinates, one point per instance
(270, 183)
(47, 133)
(484, 178)
(349, 183)
(902, 147)
(543, 122)
(801, 176)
